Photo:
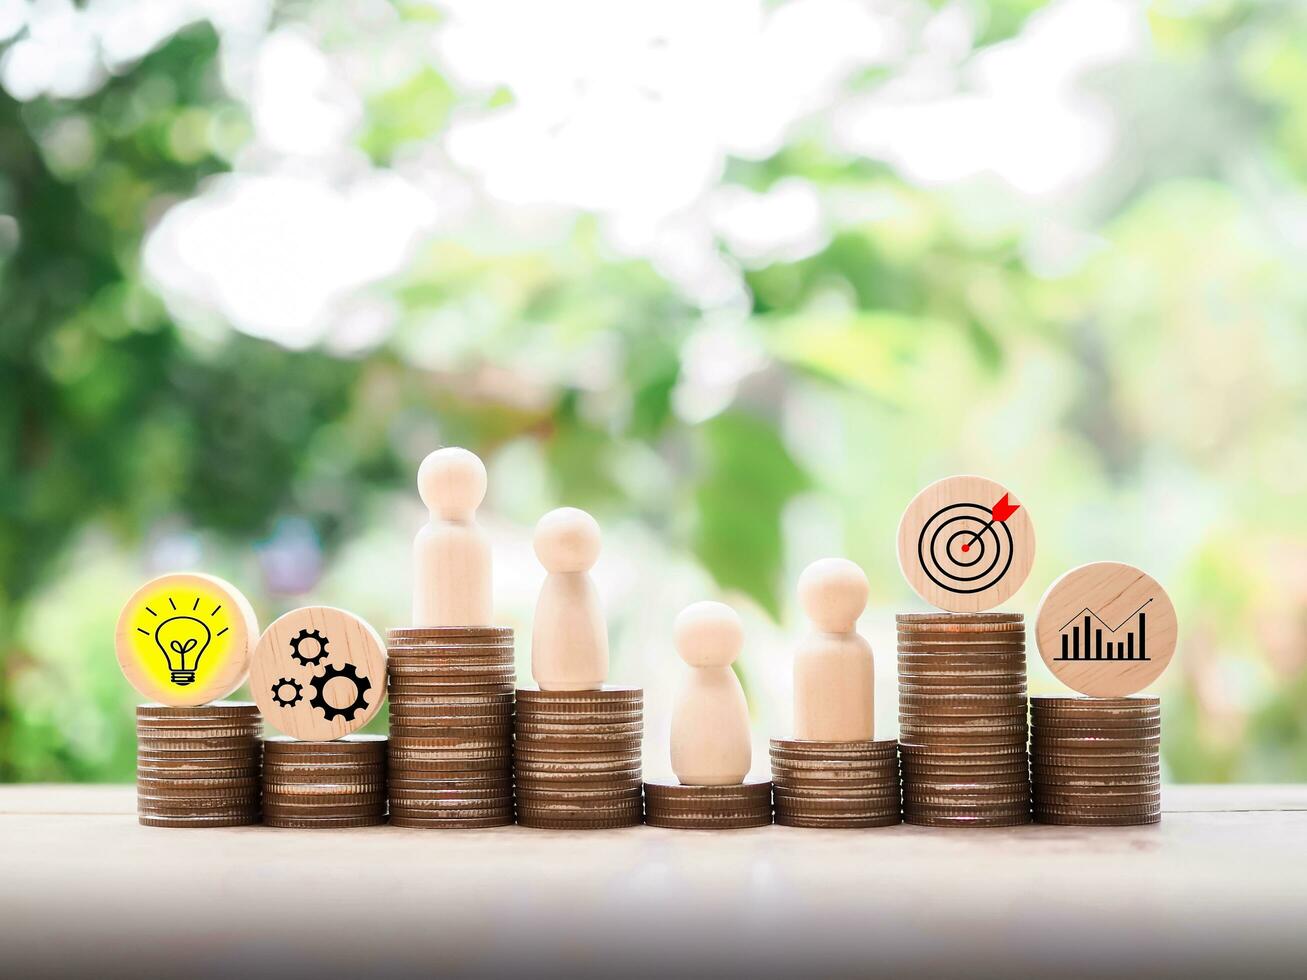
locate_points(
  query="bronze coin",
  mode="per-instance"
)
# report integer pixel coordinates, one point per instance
(422, 823)
(961, 656)
(191, 787)
(282, 746)
(363, 808)
(1101, 809)
(826, 823)
(708, 822)
(196, 747)
(230, 808)
(557, 698)
(1082, 820)
(450, 632)
(171, 820)
(1080, 703)
(497, 784)
(323, 791)
(208, 733)
(1014, 819)
(606, 823)
(935, 618)
(214, 709)
(324, 823)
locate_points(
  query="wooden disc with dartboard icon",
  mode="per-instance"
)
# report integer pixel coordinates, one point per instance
(1106, 629)
(965, 544)
(319, 673)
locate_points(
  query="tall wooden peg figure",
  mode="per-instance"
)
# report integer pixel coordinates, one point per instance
(834, 673)
(569, 640)
(711, 741)
(451, 553)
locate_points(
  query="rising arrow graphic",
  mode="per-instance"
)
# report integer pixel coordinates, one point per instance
(999, 513)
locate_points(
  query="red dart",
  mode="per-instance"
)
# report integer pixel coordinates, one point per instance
(1000, 512)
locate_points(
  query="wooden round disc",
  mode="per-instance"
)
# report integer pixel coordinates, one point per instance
(319, 673)
(1106, 629)
(965, 544)
(184, 638)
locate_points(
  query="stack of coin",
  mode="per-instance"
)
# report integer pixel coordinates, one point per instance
(198, 766)
(731, 807)
(451, 726)
(335, 784)
(1094, 761)
(962, 719)
(835, 784)
(577, 758)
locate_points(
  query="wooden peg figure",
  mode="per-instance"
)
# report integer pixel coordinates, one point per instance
(711, 741)
(569, 638)
(834, 673)
(451, 554)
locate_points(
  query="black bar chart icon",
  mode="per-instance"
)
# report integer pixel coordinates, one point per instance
(1087, 637)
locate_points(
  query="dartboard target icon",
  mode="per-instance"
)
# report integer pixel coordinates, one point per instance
(963, 549)
(965, 544)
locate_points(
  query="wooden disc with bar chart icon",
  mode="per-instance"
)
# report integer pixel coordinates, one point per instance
(966, 544)
(319, 673)
(184, 638)
(1106, 629)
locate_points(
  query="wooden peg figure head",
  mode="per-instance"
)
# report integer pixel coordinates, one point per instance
(711, 743)
(834, 673)
(569, 639)
(567, 540)
(833, 593)
(451, 553)
(452, 482)
(708, 634)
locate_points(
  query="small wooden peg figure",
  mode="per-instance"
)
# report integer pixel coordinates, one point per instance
(569, 639)
(451, 553)
(711, 741)
(833, 667)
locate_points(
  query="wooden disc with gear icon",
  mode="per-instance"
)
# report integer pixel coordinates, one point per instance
(319, 673)
(1106, 629)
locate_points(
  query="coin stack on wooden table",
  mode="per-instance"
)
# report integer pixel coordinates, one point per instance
(962, 719)
(198, 766)
(836, 784)
(735, 806)
(577, 758)
(324, 785)
(1095, 761)
(451, 726)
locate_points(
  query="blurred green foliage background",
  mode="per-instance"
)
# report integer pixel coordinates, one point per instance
(739, 278)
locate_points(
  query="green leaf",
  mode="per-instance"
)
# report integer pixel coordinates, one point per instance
(411, 112)
(748, 477)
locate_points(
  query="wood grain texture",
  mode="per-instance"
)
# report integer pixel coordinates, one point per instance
(834, 673)
(943, 560)
(1106, 609)
(313, 654)
(1214, 891)
(185, 638)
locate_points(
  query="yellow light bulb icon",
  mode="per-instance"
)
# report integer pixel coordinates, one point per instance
(183, 640)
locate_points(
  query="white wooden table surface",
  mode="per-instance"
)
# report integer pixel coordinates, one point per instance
(1218, 889)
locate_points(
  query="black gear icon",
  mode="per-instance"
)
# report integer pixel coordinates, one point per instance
(308, 635)
(294, 699)
(319, 684)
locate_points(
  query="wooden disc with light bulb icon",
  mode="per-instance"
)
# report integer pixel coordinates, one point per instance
(184, 638)
(319, 673)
